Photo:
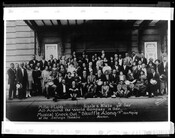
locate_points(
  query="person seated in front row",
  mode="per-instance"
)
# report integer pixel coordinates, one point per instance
(73, 90)
(114, 82)
(91, 90)
(141, 85)
(91, 84)
(130, 82)
(68, 79)
(62, 91)
(105, 89)
(50, 87)
(122, 90)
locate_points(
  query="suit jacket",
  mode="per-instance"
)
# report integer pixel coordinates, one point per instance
(155, 77)
(12, 76)
(20, 78)
(43, 64)
(34, 62)
(125, 71)
(136, 59)
(59, 88)
(163, 70)
(108, 79)
(36, 75)
(114, 79)
(114, 67)
(51, 62)
(144, 60)
(121, 61)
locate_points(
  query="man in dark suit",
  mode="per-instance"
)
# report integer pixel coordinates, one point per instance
(62, 91)
(120, 60)
(143, 59)
(153, 81)
(33, 62)
(22, 78)
(135, 58)
(124, 68)
(43, 63)
(163, 70)
(12, 81)
(51, 60)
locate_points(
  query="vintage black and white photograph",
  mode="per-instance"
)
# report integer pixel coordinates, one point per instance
(87, 70)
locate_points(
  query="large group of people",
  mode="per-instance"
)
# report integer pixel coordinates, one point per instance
(89, 77)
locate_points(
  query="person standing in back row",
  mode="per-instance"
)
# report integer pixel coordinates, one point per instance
(22, 78)
(33, 62)
(12, 81)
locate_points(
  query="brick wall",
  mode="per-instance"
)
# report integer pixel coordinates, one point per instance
(19, 42)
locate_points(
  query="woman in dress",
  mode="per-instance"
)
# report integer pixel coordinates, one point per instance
(30, 81)
(45, 75)
(54, 71)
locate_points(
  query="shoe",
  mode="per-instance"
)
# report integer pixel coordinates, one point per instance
(147, 93)
(55, 100)
(152, 95)
(74, 98)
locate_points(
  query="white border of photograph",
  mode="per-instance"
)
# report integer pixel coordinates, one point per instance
(116, 13)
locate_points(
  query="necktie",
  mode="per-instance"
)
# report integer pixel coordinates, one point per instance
(157, 69)
(22, 72)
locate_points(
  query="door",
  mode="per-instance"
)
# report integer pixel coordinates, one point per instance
(51, 49)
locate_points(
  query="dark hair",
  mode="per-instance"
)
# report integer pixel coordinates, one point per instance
(157, 60)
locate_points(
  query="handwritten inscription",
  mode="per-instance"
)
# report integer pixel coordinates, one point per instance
(60, 112)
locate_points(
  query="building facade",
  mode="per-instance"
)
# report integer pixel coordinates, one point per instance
(27, 37)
